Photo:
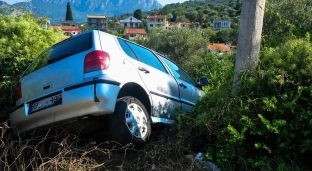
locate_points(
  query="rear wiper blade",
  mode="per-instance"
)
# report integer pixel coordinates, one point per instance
(59, 58)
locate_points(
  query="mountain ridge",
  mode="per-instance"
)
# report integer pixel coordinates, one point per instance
(56, 9)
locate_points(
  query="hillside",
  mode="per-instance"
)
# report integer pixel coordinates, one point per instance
(56, 9)
(188, 11)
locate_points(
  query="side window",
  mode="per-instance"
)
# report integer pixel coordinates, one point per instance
(147, 57)
(179, 72)
(127, 49)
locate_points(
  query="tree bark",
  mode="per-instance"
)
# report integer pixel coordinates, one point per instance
(249, 38)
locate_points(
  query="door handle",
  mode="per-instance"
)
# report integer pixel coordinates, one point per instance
(143, 69)
(182, 85)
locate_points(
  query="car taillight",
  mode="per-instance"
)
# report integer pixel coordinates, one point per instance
(18, 91)
(96, 60)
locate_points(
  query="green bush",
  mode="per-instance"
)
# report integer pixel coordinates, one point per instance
(184, 46)
(21, 39)
(285, 19)
(270, 117)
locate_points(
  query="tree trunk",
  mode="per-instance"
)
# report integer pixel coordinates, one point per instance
(249, 38)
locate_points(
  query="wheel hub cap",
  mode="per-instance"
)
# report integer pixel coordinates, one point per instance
(136, 120)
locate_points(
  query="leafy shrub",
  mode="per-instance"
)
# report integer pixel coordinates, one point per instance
(285, 19)
(21, 39)
(184, 46)
(269, 117)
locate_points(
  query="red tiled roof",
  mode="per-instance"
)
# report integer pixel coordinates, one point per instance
(218, 46)
(134, 31)
(67, 28)
(156, 17)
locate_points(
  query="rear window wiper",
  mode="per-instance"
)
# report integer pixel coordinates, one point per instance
(59, 57)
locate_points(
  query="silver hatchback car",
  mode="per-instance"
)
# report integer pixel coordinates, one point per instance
(98, 74)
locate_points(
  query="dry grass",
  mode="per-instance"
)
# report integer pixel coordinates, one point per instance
(50, 151)
(59, 150)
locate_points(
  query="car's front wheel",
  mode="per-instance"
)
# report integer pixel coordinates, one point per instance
(130, 122)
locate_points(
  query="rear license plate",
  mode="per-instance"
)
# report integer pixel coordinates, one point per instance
(45, 103)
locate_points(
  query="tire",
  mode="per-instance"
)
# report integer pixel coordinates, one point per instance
(130, 123)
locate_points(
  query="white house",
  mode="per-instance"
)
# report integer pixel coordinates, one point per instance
(220, 24)
(130, 22)
(157, 21)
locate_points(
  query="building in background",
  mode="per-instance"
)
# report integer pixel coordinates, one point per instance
(97, 22)
(130, 22)
(185, 25)
(157, 21)
(220, 24)
(135, 33)
(180, 25)
(69, 23)
(219, 48)
(68, 30)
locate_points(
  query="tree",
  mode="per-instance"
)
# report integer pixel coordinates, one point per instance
(191, 15)
(201, 17)
(69, 15)
(284, 19)
(83, 26)
(137, 14)
(227, 35)
(249, 38)
(184, 46)
(143, 25)
(165, 10)
(22, 39)
(182, 18)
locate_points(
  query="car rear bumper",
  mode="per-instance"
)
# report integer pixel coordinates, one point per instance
(91, 98)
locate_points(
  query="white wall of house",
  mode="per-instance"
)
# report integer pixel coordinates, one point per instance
(130, 22)
(220, 24)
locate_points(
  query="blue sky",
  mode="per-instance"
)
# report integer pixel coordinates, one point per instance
(162, 2)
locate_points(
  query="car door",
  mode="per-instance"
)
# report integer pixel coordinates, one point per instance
(160, 84)
(189, 94)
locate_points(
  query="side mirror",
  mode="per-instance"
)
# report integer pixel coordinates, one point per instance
(203, 81)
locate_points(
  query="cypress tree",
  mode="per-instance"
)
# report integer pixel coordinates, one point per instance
(69, 15)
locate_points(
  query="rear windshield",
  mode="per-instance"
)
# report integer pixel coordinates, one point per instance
(60, 51)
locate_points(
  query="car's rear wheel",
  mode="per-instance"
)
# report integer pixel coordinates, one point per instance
(130, 122)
